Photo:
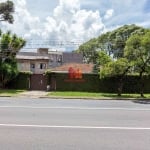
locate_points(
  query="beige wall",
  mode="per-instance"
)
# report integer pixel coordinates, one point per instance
(25, 65)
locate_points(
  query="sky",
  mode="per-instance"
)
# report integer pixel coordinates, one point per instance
(73, 21)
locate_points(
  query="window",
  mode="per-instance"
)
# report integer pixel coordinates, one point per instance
(32, 66)
(59, 59)
(42, 66)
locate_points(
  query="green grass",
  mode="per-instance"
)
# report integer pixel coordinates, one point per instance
(6, 92)
(85, 95)
(94, 95)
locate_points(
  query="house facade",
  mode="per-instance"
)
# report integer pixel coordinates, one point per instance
(55, 61)
(38, 62)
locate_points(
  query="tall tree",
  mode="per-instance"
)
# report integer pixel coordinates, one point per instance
(89, 51)
(112, 42)
(118, 68)
(115, 41)
(102, 59)
(10, 45)
(6, 11)
(137, 51)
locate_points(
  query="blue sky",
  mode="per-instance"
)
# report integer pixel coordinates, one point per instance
(75, 20)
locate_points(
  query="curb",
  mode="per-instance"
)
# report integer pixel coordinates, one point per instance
(78, 98)
(92, 98)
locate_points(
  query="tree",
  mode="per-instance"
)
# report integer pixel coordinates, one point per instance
(137, 51)
(102, 59)
(9, 46)
(115, 40)
(89, 51)
(6, 11)
(118, 68)
(112, 42)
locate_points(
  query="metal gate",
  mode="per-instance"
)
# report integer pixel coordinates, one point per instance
(38, 82)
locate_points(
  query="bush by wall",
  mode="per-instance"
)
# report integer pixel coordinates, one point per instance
(94, 84)
(22, 81)
(91, 83)
(132, 84)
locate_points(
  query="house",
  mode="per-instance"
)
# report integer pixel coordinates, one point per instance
(34, 63)
(38, 62)
(56, 61)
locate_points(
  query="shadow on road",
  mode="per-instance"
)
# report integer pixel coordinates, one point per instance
(142, 101)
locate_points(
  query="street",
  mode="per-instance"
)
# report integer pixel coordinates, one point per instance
(58, 124)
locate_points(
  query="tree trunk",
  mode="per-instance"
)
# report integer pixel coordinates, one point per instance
(120, 86)
(142, 84)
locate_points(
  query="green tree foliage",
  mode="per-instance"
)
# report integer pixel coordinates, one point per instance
(102, 59)
(119, 68)
(137, 51)
(116, 40)
(6, 11)
(112, 42)
(129, 51)
(89, 51)
(9, 46)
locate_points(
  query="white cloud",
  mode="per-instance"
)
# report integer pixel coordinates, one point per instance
(2, 1)
(69, 21)
(87, 24)
(21, 3)
(24, 22)
(109, 14)
(74, 23)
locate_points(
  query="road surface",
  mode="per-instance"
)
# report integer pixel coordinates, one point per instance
(58, 124)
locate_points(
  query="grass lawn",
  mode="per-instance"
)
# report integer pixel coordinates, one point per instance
(85, 95)
(94, 95)
(6, 92)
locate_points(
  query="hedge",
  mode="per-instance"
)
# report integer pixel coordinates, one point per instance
(89, 83)
(20, 82)
(107, 85)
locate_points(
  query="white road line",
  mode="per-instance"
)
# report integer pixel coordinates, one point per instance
(80, 108)
(75, 127)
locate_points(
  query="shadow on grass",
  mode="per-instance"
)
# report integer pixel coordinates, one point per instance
(110, 95)
(10, 92)
(135, 98)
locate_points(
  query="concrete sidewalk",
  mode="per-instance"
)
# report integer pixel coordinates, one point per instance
(33, 94)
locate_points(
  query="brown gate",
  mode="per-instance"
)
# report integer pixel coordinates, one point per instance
(38, 82)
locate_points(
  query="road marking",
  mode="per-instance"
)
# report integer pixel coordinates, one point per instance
(80, 108)
(75, 127)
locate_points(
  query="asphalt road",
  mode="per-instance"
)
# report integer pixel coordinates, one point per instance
(52, 124)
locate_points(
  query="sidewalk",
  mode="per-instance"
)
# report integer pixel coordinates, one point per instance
(33, 94)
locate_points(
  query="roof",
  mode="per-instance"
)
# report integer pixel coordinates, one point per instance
(85, 68)
(23, 57)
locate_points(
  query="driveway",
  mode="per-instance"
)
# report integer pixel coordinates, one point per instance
(33, 94)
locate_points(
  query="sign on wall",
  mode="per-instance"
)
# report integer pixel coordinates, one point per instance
(74, 75)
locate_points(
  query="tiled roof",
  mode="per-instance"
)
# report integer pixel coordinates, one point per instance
(85, 68)
(31, 57)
